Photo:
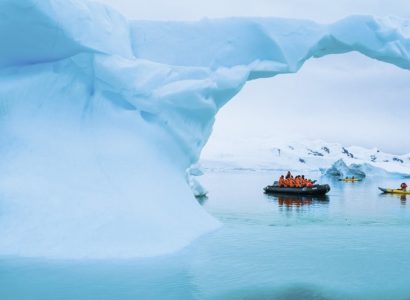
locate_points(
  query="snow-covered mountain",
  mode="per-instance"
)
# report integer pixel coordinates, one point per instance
(303, 155)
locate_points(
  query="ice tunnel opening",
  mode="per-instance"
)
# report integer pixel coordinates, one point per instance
(350, 98)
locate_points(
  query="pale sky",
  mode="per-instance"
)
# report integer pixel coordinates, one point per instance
(347, 98)
(318, 10)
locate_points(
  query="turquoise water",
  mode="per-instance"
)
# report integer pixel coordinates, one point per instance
(354, 244)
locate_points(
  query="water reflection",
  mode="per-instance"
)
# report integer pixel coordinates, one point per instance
(291, 292)
(290, 202)
(403, 198)
(164, 277)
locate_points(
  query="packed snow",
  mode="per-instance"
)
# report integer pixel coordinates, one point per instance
(100, 116)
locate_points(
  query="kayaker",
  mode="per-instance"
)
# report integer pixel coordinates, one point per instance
(403, 186)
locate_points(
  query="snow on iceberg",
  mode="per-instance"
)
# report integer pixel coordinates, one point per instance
(101, 116)
(359, 170)
(341, 169)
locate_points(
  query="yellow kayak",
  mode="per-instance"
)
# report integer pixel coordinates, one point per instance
(395, 191)
(350, 179)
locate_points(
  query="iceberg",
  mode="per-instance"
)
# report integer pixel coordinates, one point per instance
(341, 170)
(100, 116)
(359, 170)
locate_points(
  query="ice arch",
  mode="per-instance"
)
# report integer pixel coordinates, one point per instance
(100, 116)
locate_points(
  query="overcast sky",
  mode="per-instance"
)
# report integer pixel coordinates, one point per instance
(340, 98)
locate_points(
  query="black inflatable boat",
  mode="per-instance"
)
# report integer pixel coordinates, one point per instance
(315, 190)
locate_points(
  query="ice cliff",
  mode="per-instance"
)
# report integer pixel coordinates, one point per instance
(101, 116)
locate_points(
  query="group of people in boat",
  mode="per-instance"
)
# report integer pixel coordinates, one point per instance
(299, 181)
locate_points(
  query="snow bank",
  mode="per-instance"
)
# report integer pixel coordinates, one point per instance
(101, 116)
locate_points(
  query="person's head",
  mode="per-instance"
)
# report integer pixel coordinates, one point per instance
(303, 176)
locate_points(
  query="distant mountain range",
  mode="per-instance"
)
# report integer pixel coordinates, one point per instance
(306, 155)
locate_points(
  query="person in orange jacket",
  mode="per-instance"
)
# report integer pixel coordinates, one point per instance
(282, 182)
(298, 182)
(291, 182)
(304, 181)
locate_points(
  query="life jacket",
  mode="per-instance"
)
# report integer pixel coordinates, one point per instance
(282, 182)
(298, 182)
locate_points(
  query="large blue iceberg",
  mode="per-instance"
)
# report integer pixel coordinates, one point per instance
(101, 116)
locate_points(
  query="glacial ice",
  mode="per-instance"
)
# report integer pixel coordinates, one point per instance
(359, 170)
(196, 187)
(341, 170)
(101, 116)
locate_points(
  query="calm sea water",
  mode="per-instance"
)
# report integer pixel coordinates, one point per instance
(354, 244)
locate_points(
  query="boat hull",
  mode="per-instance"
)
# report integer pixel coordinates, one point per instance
(316, 190)
(350, 180)
(394, 191)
